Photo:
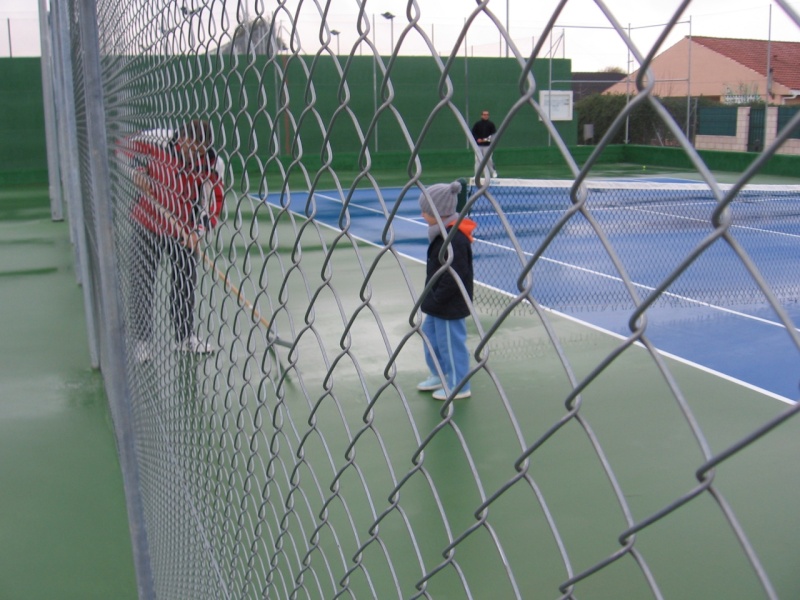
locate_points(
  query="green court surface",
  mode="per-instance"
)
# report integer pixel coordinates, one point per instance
(63, 525)
(64, 528)
(631, 411)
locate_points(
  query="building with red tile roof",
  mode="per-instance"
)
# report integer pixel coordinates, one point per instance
(725, 69)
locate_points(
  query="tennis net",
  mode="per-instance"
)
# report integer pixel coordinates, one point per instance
(564, 238)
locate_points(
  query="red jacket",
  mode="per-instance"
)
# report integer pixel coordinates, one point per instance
(186, 197)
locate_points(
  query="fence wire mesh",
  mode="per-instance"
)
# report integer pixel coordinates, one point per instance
(274, 443)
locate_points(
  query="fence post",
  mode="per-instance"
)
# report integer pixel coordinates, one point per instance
(53, 175)
(70, 167)
(112, 337)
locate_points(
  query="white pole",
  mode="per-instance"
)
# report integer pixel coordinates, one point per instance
(50, 121)
(466, 75)
(769, 58)
(769, 76)
(374, 89)
(508, 32)
(689, 84)
(628, 86)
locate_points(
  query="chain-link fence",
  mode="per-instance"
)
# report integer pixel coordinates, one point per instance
(262, 363)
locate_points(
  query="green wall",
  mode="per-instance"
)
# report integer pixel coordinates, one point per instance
(249, 95)
(23, 150)
(332, 103)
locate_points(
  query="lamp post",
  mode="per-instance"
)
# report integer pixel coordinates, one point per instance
(188, 13)
(390, 16)
(508, 33)
(336, 32)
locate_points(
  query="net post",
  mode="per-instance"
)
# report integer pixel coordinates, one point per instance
(461, 201)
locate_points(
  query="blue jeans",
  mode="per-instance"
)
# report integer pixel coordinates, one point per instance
(449, 341)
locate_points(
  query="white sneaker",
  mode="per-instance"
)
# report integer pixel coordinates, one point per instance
(195, 345)
(142, 351)
(430, 384)
(442, 395)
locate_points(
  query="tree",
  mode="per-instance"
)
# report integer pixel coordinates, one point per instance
(255, 37)
(644, 125)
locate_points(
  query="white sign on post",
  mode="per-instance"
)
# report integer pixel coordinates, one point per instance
(556, 104)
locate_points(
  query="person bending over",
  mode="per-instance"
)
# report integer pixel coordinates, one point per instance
(180, 199)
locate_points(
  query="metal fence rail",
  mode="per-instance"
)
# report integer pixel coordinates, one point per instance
(296, 460)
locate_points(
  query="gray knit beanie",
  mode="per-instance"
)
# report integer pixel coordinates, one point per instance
(443, 196)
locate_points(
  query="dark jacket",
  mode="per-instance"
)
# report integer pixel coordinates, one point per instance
(445, 300)
(482, 130)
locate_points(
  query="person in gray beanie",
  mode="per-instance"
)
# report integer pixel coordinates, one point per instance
(445, 305)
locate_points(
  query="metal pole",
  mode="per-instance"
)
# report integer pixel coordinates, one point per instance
(466, 77)
(51, 133)
(375, 89)
(70, 169)
(508, 32)
(8, 23)
(550, 91)
(188, 16)
(769, 58)
(769, 77)
(628, 87)
(390, 16)
(689, 87)
(113, 336)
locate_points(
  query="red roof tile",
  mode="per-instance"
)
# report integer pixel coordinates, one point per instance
(785, 61)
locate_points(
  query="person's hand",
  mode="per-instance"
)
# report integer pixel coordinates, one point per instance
(142, 180)
(191, 241)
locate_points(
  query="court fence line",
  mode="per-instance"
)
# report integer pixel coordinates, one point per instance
(288, 454)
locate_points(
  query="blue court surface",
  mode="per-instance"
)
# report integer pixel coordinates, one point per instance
(713, 315)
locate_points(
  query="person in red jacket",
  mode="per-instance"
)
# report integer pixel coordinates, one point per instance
(180, 199)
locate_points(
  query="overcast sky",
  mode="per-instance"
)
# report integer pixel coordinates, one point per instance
(582, 33)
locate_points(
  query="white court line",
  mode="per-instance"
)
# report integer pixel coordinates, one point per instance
(650, 209)
(614, 278)
(674, 357)
(618, 279)
(679, 359)
(418, 220)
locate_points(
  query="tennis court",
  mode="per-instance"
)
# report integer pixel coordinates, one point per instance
(631, 434)
(632, 431)
(565, 494)
(713, 317)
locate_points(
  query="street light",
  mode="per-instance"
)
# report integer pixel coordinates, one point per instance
(390, 16)
(188, 14)
(336, 33)
(508, 33)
